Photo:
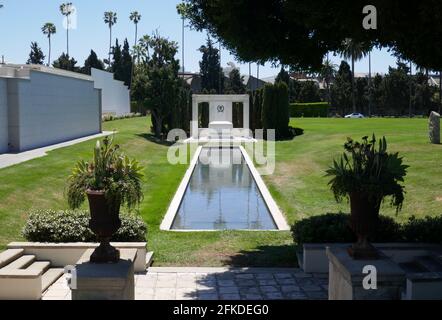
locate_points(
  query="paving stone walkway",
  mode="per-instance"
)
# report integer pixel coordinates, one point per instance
(218, 284)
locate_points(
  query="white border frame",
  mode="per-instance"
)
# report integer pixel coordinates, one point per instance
(275, 212)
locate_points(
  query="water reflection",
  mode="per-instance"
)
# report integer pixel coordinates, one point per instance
(222, 195)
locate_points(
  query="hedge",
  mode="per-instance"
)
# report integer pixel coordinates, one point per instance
(309, 110)
(73, 226)
(334, 228)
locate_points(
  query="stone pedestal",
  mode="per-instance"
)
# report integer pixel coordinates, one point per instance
(434, 127)
(105, 281)
(346, 277)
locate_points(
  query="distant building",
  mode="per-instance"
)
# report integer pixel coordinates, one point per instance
(194, 81)
(114, 93)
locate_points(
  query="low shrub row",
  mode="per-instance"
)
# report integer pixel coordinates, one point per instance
(111, 117)
(309, 110)
(334, 228)
(73, 226)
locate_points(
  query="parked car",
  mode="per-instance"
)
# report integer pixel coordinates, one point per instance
(354, 116)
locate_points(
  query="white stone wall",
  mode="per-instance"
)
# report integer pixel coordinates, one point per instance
(50, 108)
(3, 116)
(115, 95)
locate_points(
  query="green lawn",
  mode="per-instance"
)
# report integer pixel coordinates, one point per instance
(298, 186)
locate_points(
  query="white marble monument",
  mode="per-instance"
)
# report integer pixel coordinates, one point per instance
(220, 116)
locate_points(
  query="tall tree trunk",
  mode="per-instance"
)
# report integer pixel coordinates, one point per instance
(182, 49)
(370, 92)
(110, 45)
(49, 57)
(353, 97)
(133, 58)
(67, 35)
(158, 125)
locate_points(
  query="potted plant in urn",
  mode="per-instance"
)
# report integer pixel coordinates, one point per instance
(109, 181)
(366, 174)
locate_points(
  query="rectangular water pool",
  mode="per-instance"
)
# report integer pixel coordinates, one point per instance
(222, 195)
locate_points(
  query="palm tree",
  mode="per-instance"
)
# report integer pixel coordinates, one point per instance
(327, 73)
(67, 9)
(355, 51)
(135, 17)
(49, 29)
(110, 18)
(183, 11)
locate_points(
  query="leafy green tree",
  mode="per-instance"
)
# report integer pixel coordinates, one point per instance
(423, 99)
(327, 74)
(36, 55)
(156, 84)
(235, 83)
(212, 78)
(341, 92)
(92, 62)
(67, 9)
(288, 32)
(116, 65)
(362, 95)
(308, 91)
(122, 62)
(397, 90)
(49, 29)
(377, 94)
(110, 18)
(126, 61)
(65, 62)
(283, 76)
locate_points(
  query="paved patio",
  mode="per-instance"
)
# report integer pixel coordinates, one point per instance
(10, 159)
(218, 284)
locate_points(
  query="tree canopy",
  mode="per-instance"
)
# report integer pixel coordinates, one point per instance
(92, 62)
(36, 55)
(301, 32)
(212, 77)
(65, 62)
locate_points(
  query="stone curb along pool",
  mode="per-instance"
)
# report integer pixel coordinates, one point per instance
(219, 195)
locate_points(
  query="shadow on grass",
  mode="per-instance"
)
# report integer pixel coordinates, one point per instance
(265, 257)
(150, 137)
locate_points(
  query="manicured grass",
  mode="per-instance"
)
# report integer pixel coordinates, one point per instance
(298, 186)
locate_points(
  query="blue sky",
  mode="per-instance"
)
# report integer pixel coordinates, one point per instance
(21, 21)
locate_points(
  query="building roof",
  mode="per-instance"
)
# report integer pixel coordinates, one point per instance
(23, 71)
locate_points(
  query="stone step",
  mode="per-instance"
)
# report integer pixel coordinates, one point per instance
(10, 255)
(21, 263)
(49, 277)
(430, 263)
(40, 265)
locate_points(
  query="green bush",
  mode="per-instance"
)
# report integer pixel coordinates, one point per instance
(334, 228)
(282, 110)
(428, 230)
(73, 226)
(309, 110)
(268, 107)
